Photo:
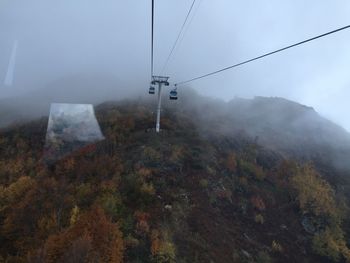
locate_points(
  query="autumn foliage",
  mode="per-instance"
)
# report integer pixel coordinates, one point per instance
(93, 237)
(317, 198)
(177, 196)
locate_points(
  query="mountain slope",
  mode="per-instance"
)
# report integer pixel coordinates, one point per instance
(189, 194)
(293, 130)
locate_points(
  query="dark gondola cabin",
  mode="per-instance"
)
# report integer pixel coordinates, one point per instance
(152, 90)
(173, 95)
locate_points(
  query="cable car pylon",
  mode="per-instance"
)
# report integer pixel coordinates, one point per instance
(160, 81)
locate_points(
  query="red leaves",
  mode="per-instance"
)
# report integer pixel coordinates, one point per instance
(258, 203)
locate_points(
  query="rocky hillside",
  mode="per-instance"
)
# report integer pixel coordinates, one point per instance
(220, 183)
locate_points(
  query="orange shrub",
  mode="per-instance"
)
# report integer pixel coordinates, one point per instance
(258, 203)
(94, 232)
(231, 163)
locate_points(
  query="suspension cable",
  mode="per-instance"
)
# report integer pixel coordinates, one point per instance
(178, 37)
(262, 56)
(152, 40)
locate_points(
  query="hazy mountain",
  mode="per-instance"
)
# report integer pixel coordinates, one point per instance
(284, 126)
(203, 190)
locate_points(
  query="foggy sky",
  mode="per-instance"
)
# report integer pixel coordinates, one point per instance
(61, 39)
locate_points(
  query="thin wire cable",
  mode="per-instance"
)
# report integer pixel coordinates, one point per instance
(187, 27)
(265, 55)
(152, 41)
(178, 37)
(189, 23)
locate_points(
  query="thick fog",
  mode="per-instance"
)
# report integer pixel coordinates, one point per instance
(52, 47)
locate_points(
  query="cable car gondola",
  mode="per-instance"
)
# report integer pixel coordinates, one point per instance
(152, 90)
(173, 95)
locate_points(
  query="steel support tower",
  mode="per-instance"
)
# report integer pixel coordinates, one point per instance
(160, 81)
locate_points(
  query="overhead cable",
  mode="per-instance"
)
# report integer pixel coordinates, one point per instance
(152, 40)
(178, 37)
(262, 56)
